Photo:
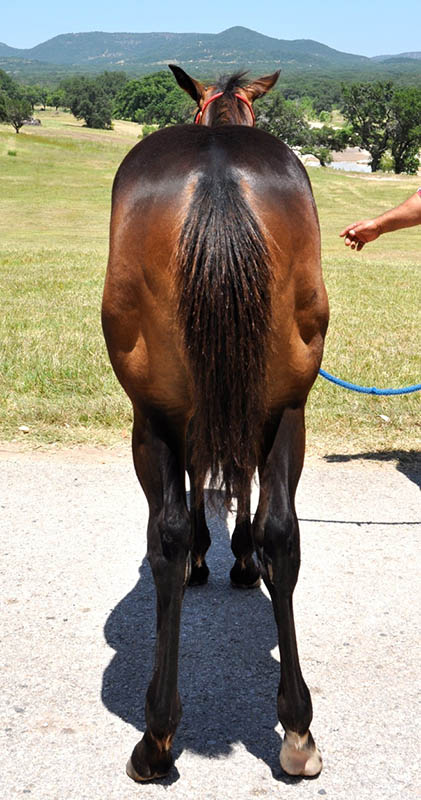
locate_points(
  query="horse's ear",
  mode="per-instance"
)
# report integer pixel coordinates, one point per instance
(195, 89)
(260, 86)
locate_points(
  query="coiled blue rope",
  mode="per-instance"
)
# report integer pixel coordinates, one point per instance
(354, 387)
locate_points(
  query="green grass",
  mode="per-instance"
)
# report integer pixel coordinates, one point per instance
(55, 374)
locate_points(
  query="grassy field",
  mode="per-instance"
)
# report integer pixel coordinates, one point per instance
(55, 184)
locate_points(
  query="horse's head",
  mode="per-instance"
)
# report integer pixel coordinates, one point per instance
(227, 103)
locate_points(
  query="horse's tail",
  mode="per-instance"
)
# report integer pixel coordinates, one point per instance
(224, 311)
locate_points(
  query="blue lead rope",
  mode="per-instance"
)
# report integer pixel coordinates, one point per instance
(354, 387)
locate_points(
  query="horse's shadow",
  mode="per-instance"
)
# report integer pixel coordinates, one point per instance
(228, 677)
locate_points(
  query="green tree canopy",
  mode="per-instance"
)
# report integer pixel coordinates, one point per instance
(405, 136)
(57, 98)
(7, 84)
(34, 94)
(112, 82)
(16, 110)
(154, 100)
(286, 119)
(8, 88)
(325, 93)
(282, 118)
(367, 106)
(323, 140)
(87, 100)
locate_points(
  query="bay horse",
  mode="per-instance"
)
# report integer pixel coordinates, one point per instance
(214, 314)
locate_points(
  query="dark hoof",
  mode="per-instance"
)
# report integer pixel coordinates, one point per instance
(199, 574)
(246, 575)
(148, 761)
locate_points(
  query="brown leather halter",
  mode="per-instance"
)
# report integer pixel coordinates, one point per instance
(200, 112)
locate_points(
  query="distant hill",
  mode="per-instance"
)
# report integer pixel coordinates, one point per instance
(415, 55)
(202, 53)
(231, 47)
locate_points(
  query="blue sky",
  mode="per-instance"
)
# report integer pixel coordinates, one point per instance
(365, 27)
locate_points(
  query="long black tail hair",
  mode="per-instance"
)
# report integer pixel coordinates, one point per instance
(224, 312)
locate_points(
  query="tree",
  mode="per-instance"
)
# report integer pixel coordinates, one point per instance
(323, 140)
(93, 106)
(43, 96)
(283, 118)
(8, 88)
(57, 98)
(286, 119)
(35, 94)
(16, 111)
(405, 139)
(325, 116)
(367, 106)
(325, 93)
(87, 100)
(112, 82)
(154, 100)
(8, 85)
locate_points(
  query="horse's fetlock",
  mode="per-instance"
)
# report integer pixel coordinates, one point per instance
(162, 717)
(298, 715)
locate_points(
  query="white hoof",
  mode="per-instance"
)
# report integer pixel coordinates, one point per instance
(300, 756)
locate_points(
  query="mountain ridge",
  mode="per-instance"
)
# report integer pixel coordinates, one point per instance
(201, 52)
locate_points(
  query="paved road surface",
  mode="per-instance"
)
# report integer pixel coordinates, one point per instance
(77, 635)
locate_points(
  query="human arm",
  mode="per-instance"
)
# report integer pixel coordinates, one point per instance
(403, 216)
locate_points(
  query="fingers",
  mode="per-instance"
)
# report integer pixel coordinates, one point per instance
(351, 236)
(349, 229)
(352, 240)
(358, 234)
(355, 244)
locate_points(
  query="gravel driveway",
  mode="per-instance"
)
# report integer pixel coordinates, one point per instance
(78, 630)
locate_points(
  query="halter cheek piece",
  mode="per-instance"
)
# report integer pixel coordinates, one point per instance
(200, 112)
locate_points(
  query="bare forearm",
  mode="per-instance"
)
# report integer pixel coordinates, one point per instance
(404, 216)
(367, 230)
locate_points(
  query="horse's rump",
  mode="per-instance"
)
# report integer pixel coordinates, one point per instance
(215, 249)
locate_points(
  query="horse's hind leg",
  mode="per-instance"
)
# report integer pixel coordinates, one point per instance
(245, 574)
(199, 571)
(276, 535)
(158, 452)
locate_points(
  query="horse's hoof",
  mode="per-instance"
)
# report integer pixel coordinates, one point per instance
(131, 772)
(246, 575)
(198, 575)
(146, 764)
(300, 756)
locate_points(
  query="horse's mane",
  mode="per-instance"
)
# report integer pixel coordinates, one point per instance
(229, 83)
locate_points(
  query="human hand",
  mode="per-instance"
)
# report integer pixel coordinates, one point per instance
(359, 233)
